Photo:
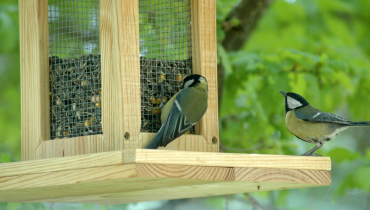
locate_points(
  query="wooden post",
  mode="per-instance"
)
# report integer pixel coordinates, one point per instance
(119, 40)
(34, 50)
(203, 15)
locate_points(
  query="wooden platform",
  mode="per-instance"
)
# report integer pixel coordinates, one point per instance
(143, 175)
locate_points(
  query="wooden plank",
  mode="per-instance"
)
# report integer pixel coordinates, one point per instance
(170, 192)
(35, 108)
(204, 49)
(113, 177)
(66, 163)
(65, 177)
(72, 146)
(106, 185)
(146, 156)
(282, 175)
(95, 192)
(128, 191)
(185, 142)
(119, 39)
(185, 172)
(232, 159)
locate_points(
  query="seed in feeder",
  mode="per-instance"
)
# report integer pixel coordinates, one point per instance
(78, 114)
(57, 138)
(153, 100)
(156, 111)
(65, 133)
(164, 99)
(162, 77)
(99, 92)
(84, 83)
(93, 99)
(74, 106)
(98, 104)
(159, 100)
(97, 98)
(87, 123)
(59, 128)
(59, 102)
(57, 133)
(179, 78)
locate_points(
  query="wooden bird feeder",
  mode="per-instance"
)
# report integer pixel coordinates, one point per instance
(83, 121)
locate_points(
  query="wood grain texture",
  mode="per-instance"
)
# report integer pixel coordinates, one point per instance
(66, 163)
(185, 142)
(204, 43)
(68, 177)
(116, 177)
(127, 191)
(232, 159)
(119, 41)
(185, 172)
(33, 31)
(72, 146)
(282, 175)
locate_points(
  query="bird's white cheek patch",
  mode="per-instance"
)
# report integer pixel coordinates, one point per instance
(292, 103)
(188, 83)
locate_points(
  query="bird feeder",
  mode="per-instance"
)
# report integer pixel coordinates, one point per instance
(91, 77)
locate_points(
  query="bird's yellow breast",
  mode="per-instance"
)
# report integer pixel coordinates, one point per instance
(307, 131)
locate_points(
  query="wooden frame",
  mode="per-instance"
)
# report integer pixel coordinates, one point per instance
(119, 32)
(142, 175)
(132, 174)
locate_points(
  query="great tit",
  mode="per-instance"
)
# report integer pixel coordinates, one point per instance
(182, 111)
(313, 125)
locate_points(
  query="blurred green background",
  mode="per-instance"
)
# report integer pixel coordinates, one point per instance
(317, 48)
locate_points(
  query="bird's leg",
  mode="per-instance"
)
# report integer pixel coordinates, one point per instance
(162, 95)
(312, 151)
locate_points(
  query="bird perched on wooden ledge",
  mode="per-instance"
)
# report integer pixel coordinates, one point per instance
(313, 125)
(182, 111)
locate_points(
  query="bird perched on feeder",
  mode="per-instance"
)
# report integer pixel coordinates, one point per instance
(182, 111)
(313, 125)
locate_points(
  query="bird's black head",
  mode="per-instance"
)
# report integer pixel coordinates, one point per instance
(293, 101)
(193, 80)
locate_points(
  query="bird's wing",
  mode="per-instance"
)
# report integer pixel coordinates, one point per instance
(175, 125)
(316, 116)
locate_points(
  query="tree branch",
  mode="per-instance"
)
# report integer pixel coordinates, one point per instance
(247, 13)
(256, 205)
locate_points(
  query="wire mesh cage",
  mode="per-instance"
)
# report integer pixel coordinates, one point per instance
(165, 55)
(75, 68)
(142, 46)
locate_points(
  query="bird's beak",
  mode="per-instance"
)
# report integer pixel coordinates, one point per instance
(282, 92)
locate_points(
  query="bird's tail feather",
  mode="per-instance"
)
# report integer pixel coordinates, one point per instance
(361, 123)
(154, 144)
(157, 141)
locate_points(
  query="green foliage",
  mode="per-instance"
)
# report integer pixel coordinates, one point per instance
(164, 34)
(341, 154)
(317, 48)
(9, 81)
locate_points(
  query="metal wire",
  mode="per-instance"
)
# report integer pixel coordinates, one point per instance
(165, 54)
(75, 70)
